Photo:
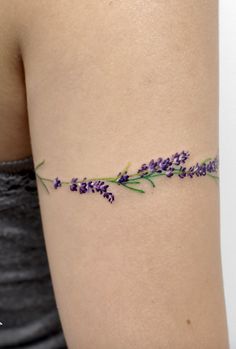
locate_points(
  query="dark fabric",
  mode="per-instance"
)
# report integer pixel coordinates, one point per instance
(28, 310)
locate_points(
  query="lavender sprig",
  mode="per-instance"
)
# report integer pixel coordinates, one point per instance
(174, 165)
(85, 187)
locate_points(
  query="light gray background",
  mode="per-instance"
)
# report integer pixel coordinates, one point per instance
(227, 119)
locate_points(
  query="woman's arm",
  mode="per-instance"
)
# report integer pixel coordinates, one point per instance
(110, 82)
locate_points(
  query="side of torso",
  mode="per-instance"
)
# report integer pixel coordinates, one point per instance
(14, 131)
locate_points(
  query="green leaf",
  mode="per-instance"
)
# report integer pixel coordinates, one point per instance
(138, 190)
(149, 180)
(40, 164)
(133, 182)
(215, 177)
(208, 159)
(44, 185)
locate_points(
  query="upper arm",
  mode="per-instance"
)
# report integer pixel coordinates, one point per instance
(113, 82)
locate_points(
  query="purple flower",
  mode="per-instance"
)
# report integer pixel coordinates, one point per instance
(143, 168)
(192, 171)
(169, 172)
(212, 166)
(101, 187)
(182, 173)
(123, 178)
(164, 164)
(152, 165)
(175, 159)
(184, 155)
(203, 168)
(109, 196)
(56, 183)
(180, 158)
(74, 184)
(83, 187)
(158, 165)
(159, 160)
(91, 186)
(96, 186)
(215, 164)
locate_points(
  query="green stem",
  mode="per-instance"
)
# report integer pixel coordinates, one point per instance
(138, 190)
(133, 182)
(44, 185)
(215, 177)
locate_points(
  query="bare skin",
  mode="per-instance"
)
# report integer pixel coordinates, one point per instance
(109, 82)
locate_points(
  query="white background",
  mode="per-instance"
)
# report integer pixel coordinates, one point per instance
(227, 35)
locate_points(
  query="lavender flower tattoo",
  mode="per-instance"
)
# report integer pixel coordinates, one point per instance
(174, 165)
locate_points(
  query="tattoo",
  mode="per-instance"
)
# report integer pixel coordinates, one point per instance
(174, 165)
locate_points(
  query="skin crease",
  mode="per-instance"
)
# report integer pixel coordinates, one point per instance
(109, 82)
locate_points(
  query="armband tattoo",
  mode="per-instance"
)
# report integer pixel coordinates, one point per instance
(174, 165)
